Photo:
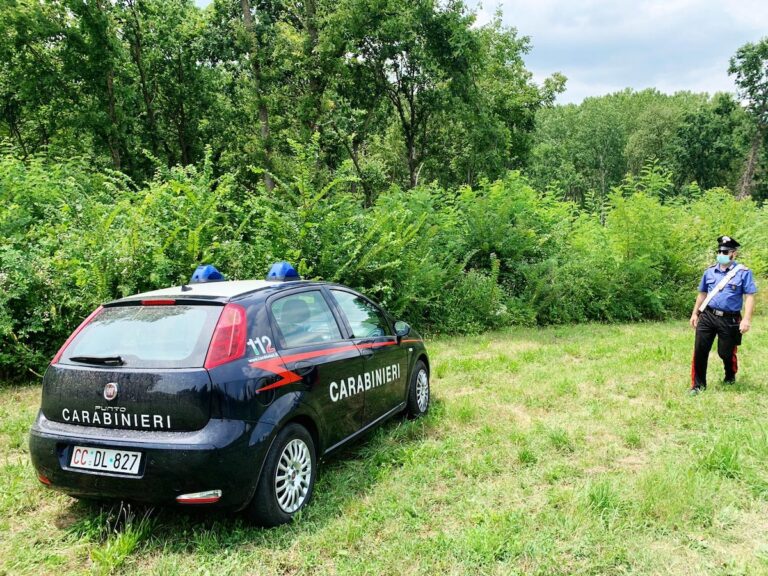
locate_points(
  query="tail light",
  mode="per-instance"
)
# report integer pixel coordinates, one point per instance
(75, 333)
(228, 342)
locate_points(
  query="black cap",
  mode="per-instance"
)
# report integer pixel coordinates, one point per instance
(727, 242)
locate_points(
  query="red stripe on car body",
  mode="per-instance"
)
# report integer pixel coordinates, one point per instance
(277, 365)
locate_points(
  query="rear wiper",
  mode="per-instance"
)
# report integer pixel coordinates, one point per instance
(104, 360)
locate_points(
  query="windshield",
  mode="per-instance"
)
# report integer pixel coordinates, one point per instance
(146, 337)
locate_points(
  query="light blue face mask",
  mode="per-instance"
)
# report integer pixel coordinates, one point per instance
(723, 258)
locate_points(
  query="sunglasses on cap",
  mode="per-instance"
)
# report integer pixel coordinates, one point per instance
(724, 250)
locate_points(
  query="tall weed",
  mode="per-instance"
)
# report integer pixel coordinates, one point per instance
(460, 261)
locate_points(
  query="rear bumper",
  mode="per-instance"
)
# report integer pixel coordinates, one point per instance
(225, 455)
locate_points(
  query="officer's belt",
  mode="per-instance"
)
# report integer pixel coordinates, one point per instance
(723, 313)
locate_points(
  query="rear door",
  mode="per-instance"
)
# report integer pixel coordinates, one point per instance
(311, 345)
(385, 361)
(135, 367)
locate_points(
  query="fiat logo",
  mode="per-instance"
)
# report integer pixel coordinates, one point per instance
(110, 391)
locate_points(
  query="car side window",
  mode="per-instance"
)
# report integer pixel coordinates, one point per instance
(365, 320)
(305, 318)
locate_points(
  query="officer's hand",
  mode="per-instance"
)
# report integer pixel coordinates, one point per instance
(744, 326)
(694, 320)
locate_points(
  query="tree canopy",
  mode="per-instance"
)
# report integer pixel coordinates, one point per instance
(389, 87)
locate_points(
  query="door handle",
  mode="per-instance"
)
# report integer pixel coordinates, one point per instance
(365, 351)
(302, 368)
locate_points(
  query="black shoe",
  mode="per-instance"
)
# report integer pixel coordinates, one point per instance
(727, 380)
(696, 390)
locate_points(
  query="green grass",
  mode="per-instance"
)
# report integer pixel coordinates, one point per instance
(570, 450)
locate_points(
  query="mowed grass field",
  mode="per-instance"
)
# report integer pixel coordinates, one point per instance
(570, 450)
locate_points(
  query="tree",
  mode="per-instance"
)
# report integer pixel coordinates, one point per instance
(750, 67)
(706, 145)
(582, 151)
(419, 54)
(95, 56)
(135, 32)
(170, 89)
(250, 43)
(398, 91)
(490, 129)
(38, 101)
(258, 33)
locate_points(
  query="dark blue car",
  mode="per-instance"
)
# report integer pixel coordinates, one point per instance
(223, 393)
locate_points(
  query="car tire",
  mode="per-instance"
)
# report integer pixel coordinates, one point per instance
(287, 479)
(419, 394)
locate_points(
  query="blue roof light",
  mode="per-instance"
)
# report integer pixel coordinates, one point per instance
(205, 273)
(283, 271)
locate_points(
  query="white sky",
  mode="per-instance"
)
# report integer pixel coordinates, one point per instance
(603, 46)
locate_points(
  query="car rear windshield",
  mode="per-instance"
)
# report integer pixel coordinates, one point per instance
(146, 336)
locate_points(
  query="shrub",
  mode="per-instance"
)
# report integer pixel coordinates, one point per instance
(475, 303)
(446, 261)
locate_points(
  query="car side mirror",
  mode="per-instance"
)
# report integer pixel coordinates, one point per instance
(402, 329)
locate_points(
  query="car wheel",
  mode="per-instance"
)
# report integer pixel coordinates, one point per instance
(287, 479)
(418, 392)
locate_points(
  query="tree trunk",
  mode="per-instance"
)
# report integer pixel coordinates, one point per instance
(269, 183)
(411, 136)
(13, 125)
(315, 78)
(354, 154)
(136, 52)
(412, 163)
(747, 176)
(186, 158)
(113, 130)
(113, 145)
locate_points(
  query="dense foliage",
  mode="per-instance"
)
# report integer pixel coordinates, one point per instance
(403, 91)
(464, 261)
(391, 145)
(582, 151)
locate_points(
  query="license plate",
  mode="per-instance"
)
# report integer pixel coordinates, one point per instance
(105, 460)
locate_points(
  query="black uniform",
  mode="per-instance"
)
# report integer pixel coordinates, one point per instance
(726, 328)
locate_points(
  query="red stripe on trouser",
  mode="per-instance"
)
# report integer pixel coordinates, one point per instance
(735, 360)
(693, 371)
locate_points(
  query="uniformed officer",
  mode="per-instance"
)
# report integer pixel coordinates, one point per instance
(720, 314)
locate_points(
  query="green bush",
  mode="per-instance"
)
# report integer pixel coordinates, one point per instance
(448, 262)
(645, 261)
(475, 303)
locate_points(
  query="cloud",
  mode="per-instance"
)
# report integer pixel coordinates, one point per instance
(603, 46)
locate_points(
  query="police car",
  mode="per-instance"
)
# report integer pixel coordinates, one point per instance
(224, 394)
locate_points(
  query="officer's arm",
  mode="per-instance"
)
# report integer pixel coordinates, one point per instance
(699, 299)
(695, 314)
(749, 301)
(749, 306)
